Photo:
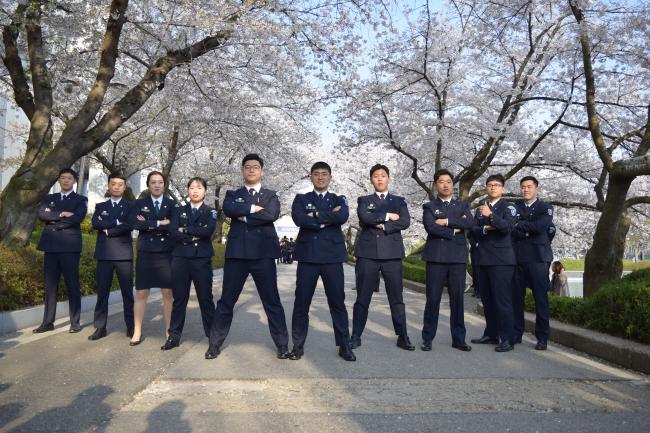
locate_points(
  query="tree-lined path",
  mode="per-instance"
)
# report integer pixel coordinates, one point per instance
(62, 382)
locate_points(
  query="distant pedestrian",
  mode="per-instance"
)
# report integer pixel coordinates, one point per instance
(559, 280)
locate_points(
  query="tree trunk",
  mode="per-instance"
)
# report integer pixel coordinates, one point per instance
(604, 260)
(18, 204)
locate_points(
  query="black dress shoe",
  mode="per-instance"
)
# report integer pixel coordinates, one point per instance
(355, 342)
(426, 346)
(462, 346)
(517, 340)
(74, 329)
(405, 343)
(135, 343)
(212, 352)
(283, 352)
(346, 353)
(43, 328)
(171, 343)
(541, 345)
(485, 340)
(99, 333)
(296, 353)
(129, 332)
(504, 346)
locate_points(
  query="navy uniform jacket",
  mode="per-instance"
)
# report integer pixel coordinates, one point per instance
(256, 238)
(62, 235)
(374, 243)
(196, 241)
(320, 240)
(442, 245)
(118, 244)
(531, 233)
(151, 237)
(495, 246)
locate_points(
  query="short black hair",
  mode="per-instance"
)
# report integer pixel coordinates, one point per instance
(199, 180)
(376, 167)
(527, 178)
(442, 172)
(68, 171)
(320, 165)
(253, 157)
(498, 177)
(117, 175)
(156, 173)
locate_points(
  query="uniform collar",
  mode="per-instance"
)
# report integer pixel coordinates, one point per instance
(323, 192)
(379, 193)
(193, 206)
(257, 188)
(115, 202)
(66, 194)
(159, 199)
(529, 205)
(447, 201)
(494, 203)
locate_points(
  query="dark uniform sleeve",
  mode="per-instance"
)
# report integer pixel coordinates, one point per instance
(431, 227)
(204, 229)
(80, 211)
(300, 216)
(233, 209)
(335, 218)
(505, 222)
(269, 214)
(540, 224)
(464, 222)
(47, 216)
(368, 217)
(146, 225)
(402, 223)
(175, 224)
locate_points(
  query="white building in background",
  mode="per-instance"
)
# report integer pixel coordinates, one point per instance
(14, 129)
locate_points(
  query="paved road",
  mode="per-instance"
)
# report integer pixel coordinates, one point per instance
(63, 382)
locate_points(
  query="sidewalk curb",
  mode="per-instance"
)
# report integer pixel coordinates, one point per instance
(629, 354)
(12, 321)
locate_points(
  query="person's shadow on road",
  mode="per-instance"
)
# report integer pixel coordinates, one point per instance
(80, 415)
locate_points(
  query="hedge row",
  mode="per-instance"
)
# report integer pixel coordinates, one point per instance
(620, 307)
(21, 273)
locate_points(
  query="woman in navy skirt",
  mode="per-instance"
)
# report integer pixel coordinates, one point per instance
(192, 227)
(151, 216)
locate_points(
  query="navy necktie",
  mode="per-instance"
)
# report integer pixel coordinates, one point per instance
(156, 207)
(382, 196)
(194, 211)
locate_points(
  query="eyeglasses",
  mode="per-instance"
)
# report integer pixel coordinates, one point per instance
(494, 185)
(252, 167)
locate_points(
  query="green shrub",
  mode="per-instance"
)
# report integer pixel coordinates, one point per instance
(414, 272)
(620, 307)
(219, 255)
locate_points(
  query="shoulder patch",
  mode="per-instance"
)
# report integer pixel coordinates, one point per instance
(176, 205)
(550, 211)
(345, 199)
(214, 214)
(277, 194)
(513, 210)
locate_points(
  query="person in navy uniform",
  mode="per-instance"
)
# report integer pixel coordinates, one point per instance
(251, 249)
(191, 228)
(495, 220)
(380, 248)
(320, 252)
(151, 216)
(113, 252)
(60, 240)
(532, 242)
(445, 254)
